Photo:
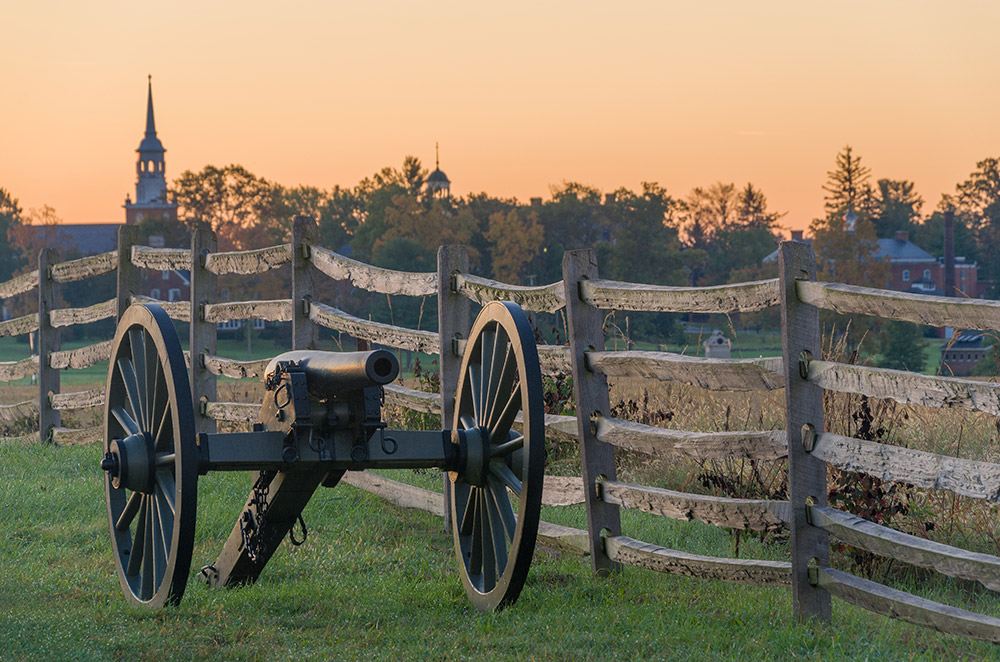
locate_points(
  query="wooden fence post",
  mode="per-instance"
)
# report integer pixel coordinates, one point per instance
(803, 407)
(204, 290)
(303, 328)
(48, 342)
(453, 322)
(129, 275)
(586, 333)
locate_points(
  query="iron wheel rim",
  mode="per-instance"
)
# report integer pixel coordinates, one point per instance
(147, 393)
(495, 538)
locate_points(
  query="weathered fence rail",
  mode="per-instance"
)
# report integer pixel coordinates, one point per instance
(585, 298)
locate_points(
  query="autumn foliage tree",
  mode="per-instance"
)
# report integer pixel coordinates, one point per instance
(515, 240)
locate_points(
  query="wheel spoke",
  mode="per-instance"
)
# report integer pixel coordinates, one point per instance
(123, 418)
(159, 441)
(503, 377)
(486, 376)
(159, 549)
(503, 472)
(137, 343)
(476, 557)
(164, 508)
(147, 553)
(135, 555)
(497, 527)
(128, 513)
(466, 512)
(159, 403)
(502, 502)
(127, 371)
(165, 481)
(475, 382)
(507, 447)
(502, 425)
(467, 422)
(489, 557)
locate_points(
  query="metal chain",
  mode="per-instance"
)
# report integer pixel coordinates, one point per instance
(255, 518)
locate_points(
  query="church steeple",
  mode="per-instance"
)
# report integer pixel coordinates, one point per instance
(150, 172)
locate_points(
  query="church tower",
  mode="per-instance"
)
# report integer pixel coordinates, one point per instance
(437, 184)
(151, 180)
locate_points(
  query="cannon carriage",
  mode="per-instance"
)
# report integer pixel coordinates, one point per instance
(320, 417)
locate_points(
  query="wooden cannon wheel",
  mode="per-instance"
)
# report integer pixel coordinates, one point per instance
(495, 502)
(150, 458)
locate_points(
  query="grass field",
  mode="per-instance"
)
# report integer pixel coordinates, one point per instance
(374, 582)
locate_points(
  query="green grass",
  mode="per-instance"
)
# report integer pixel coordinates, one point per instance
(375, 582)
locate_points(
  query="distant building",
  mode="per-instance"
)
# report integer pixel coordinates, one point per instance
(961, 354)
(912, 269)
(437, 183)
(150, 170)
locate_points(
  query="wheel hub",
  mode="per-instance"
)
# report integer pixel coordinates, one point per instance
(130, 463)
(477, 456)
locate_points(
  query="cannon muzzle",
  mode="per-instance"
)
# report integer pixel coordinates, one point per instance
(333, 373)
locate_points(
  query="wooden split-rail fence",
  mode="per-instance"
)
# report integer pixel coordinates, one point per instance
(585, 296)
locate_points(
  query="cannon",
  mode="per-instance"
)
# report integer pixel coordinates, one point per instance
(320, 417)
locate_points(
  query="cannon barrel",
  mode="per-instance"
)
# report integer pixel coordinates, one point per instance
(332, 373)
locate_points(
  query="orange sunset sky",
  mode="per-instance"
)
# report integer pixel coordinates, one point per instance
(520, 95)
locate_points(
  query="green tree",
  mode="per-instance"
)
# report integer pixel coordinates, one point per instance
(901, 347)
(10, 219)
(845, 184)
(896, 207)
(977, 203)
(229, 200)
(515, 240)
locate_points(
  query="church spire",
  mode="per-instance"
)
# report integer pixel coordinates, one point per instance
(150, 121)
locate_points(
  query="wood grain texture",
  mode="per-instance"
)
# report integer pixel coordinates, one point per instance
(75, 437)
(373, 279)
(454, 323)
(383, 334)
(907, 387)
(161, 259)
(49, 341)
(716, 374)
(304, 330)
(971, 478)
(85, 267)
(979, 314)
(698, 446)
(744, 514)
(82, 357)
(218, 365)
(19, 284)
(77, 399)
(740, 297)
(633, 552)
(395, 492)
(562, 491)
(906, 607)
(590, 395)
(248, 262)
(881, 540)
(803, 405)
(564, 538)
(542, 299)
(202, 335)
(19, 325)
(11, 370)
(239, 412)
(20, 412)
(63, 317)
(274, 310)
(429, 403)
(128, 275)
(175, 310)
